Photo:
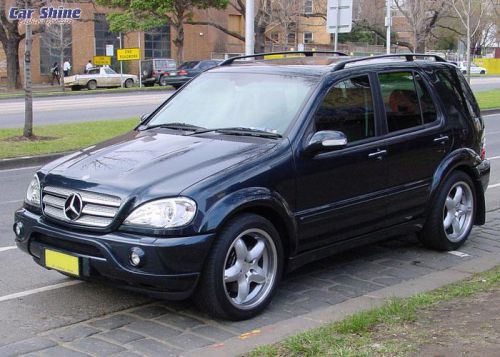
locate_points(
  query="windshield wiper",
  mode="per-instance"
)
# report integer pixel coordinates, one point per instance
(177, 126)
(241, 131)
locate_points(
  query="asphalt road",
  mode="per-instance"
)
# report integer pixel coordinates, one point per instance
(79, 108)
(92, 107)
(33, 300)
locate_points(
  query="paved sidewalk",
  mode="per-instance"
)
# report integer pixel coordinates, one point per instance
(318, 289)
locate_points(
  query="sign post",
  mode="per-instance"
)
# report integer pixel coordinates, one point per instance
(339, 18)
(128, 54)
(388, 24)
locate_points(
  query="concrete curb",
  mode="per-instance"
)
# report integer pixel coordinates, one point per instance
(27, 161)
(490, 111)
(270, 334)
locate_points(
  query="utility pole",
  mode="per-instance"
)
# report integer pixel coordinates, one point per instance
(388, 23)
(249, 27)
(121, 62)
(28, 93)
(336, 43)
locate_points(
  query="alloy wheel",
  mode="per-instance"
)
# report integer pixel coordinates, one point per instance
(458, 211)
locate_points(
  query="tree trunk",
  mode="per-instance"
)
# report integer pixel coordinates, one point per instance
(28, 95)
(260, 39)
(13, 71)
(468, 45)
(179, 41)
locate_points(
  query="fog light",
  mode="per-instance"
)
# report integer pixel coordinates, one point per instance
(136, 256)
(18, 229)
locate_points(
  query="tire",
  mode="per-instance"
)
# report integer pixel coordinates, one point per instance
(162, 81)
(92, 85)
(129, 83)
(76, 88)
(451, 218)
(176, 86)
(482, 72)
(464, 72)
(232, 298)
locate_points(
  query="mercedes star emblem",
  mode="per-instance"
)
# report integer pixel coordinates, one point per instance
(73, 207)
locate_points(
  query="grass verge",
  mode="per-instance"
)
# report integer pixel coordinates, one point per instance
(355, 335)
(61, 138)
(489, 99)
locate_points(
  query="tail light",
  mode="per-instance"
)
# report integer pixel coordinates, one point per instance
(183, 72)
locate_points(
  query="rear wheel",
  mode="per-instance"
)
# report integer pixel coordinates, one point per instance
(129, 83)
(242, 270)
(482, 72)
(91, 85)
(452, 216)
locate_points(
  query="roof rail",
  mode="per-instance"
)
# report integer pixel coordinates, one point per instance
(409, 57)
(229, 61)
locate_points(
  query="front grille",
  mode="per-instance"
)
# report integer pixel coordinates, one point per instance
(98, 210)
(66, 245)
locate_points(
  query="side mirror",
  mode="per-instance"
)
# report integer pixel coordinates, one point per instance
(327, 140)
(144, 117)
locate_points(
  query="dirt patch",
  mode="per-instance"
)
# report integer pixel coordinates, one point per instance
(34, 138)
(460, 327)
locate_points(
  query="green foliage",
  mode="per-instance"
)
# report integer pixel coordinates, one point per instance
(147, 14)
(447, 43)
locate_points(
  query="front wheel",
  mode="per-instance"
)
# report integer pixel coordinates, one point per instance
(452, 216)
(242, 270)
(482, 72)
(163, 81)
(129, 83)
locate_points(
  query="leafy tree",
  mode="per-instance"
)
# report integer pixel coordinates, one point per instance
(147, 14)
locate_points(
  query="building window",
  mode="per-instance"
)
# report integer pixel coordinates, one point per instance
(157, 43)
(308, 7)
(308, 37)
(51, 46)
(103, 36)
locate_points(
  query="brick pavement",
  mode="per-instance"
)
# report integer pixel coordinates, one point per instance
(174, 328)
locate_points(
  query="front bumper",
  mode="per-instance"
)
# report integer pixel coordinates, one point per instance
(171, 265)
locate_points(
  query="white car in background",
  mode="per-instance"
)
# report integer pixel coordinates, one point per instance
(474, 68)
(100, 77)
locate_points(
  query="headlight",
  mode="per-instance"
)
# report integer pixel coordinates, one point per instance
(164, 213)
(33, 192)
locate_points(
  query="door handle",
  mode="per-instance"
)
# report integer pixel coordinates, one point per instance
(442, 139)
(379, 154)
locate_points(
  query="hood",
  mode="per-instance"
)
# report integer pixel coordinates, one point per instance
(152, 162)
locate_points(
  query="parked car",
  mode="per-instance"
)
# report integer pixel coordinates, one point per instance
(100, 77)
(154, 69)
(257, 167)
(474, 68)
(186, 72)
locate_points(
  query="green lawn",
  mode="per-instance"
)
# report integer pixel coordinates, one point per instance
(354, 335)
(489, 99)
(66, 137)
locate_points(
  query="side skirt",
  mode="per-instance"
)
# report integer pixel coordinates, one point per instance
(320, 253)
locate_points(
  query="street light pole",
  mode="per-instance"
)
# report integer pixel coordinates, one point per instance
(388, 23)
(121, 62)
(249, 27)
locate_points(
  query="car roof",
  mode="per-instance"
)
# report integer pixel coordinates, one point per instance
(321, 66)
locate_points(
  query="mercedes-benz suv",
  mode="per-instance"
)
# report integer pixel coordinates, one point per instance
(259, 166)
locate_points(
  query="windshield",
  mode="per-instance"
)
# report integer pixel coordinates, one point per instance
(247, 100)
(164, 64)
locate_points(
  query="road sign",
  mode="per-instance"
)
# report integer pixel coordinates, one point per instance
(339, 16)
(102, 61)
(110, 51)
(128, 54)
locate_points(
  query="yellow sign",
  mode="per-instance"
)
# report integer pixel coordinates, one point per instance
(271, 57)
(62, 262)
(102, 61)
(128, 54)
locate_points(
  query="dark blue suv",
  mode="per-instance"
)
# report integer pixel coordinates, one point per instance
(259, 166)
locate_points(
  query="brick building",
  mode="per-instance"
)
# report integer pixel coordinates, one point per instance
(90, 35)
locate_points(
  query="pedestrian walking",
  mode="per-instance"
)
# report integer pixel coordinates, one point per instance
(66, 68)
(54, 73)
(89, 66)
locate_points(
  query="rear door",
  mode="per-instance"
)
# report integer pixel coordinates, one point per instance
(341, 193)
(417, 141)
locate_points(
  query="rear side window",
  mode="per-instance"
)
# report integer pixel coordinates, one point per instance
(407, 101)
(348, 107)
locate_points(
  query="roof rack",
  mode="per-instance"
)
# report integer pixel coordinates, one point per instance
(230, 61)
(409, 57)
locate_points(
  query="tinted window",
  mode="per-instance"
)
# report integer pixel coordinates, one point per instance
(95, 71)
(348, 107)
(189, 65)
(405, 97)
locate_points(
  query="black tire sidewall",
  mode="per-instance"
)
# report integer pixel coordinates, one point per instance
(129, 81)
(91, 85)
(222, 307)
(161, 81)
(434, 225)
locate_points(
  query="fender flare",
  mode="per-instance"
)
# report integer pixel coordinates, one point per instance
(252, 199)
(467, 160)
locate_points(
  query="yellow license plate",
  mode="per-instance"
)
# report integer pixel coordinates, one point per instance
(62, 262)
